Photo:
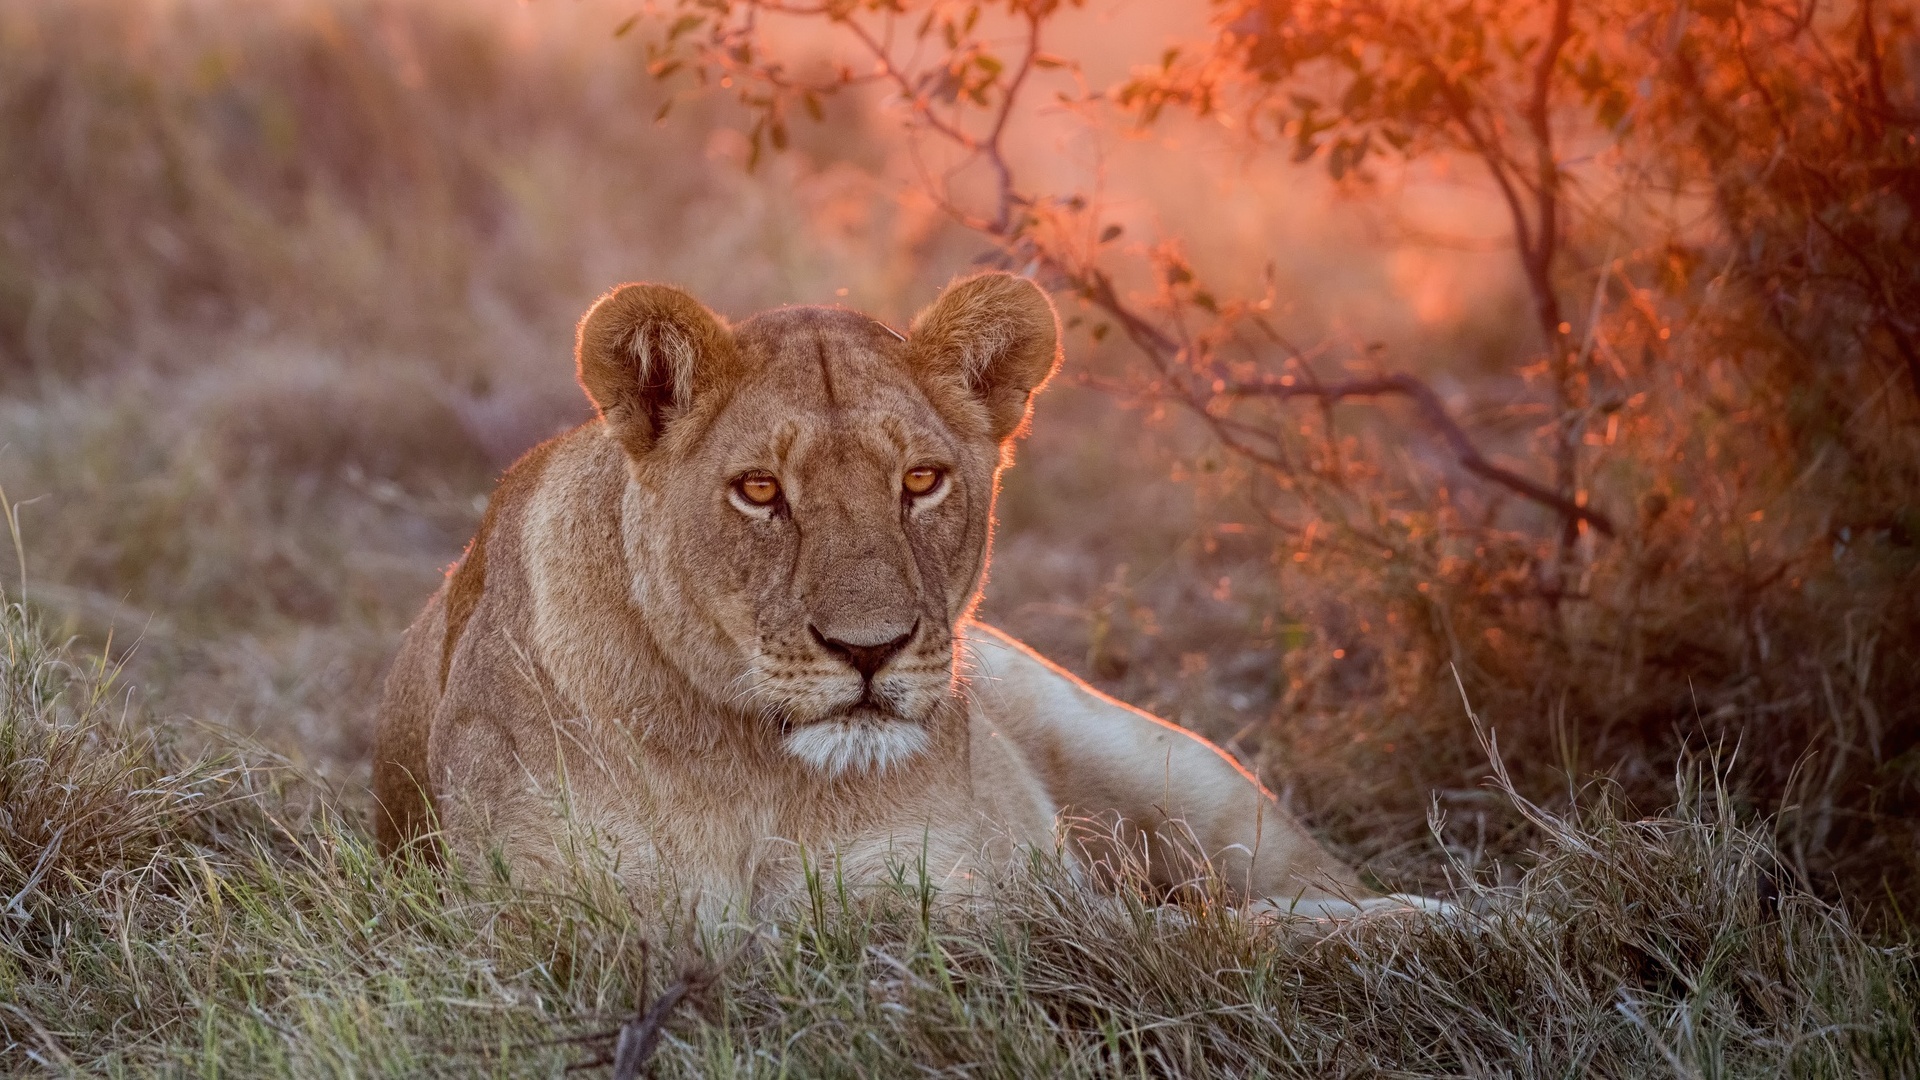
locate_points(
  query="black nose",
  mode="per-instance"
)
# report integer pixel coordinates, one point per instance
(865, 659)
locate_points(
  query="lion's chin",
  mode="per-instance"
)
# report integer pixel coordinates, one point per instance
(862, 742)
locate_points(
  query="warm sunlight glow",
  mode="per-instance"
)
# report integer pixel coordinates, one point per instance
(1166, 537)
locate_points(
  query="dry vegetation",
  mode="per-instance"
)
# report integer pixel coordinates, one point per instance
(283, 284)
(1660, 496)
(174, 912)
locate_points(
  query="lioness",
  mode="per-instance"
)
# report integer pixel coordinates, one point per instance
(722, 632)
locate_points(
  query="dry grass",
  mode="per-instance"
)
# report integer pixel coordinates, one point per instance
(83, 797)
(239, 925)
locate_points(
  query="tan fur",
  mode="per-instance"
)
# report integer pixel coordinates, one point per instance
(633, 665)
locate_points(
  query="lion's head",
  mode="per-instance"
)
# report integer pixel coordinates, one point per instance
(812, 497)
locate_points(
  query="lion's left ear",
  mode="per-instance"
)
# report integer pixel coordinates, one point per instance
(645, 354)
(998, 337)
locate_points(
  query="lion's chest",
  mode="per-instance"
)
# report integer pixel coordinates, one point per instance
(739, 840)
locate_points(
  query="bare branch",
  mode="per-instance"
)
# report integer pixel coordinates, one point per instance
(640, 1036)
(1490, 155)
(1539, 118)
(1546, 198)
(914, 97)
(636, 1040)
(1434, 412)
(995, 153)
(1162, 349)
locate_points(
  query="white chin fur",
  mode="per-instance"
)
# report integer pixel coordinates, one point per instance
(836, 746)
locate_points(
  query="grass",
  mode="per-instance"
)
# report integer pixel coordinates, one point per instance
(233, 921)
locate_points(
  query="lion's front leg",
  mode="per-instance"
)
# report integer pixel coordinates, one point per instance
(1167, 796)
(515, 811)
(568, 814)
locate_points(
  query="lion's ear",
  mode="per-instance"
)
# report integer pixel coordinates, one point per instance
(645, 353)
(998, 336)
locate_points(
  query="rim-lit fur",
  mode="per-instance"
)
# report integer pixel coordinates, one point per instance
(634, 664)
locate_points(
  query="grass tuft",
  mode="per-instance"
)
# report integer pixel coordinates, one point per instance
(84, 795)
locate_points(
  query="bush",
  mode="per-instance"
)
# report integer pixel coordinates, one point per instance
(1675, 514)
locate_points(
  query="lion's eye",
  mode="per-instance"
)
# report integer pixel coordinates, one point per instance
(921, 479)
(758, 488)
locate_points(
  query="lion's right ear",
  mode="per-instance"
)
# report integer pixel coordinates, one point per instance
(997, 337)
(645, 354)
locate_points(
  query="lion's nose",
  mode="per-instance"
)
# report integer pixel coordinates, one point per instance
(865, 659)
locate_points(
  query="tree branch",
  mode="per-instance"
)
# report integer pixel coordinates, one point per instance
(995, 156)
(1434, 412)
(1539, 119)
(1546, 241)
(1160, 348)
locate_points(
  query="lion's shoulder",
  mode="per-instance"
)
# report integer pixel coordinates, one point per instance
(569, 467)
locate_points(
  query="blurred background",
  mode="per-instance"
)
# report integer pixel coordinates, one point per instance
(285, 284)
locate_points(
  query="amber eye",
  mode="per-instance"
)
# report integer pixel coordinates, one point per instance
(921, 479)
(758, 488)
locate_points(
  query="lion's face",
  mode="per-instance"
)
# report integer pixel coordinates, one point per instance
(815, 511)
(838, 529)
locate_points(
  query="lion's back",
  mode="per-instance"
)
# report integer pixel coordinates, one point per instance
(402, 799)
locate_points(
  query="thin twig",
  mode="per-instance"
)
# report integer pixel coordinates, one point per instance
(640, 1036)
(1434, 412)
(1161, 348)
